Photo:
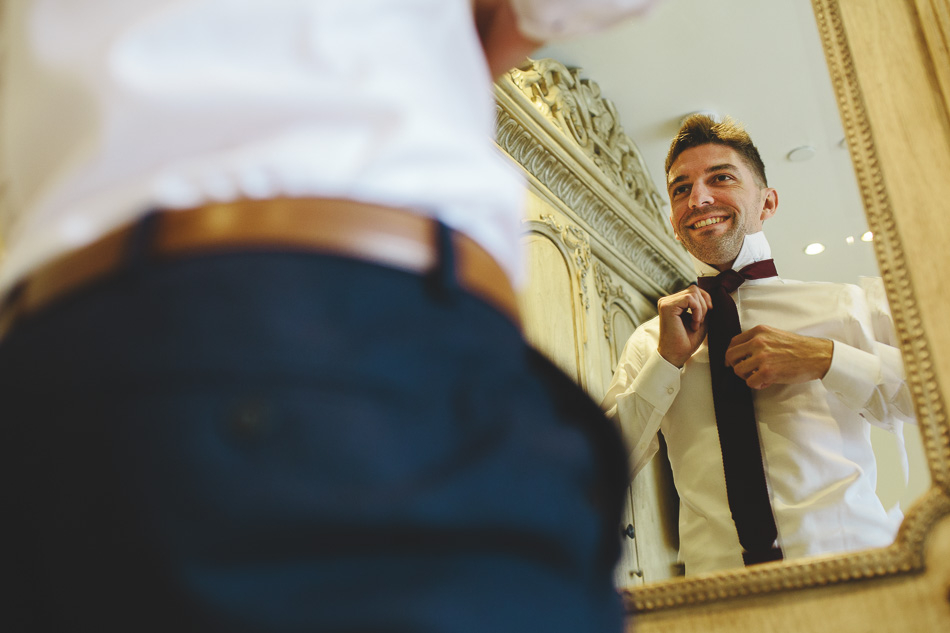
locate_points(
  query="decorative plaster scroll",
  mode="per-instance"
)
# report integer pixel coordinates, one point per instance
(577, 108)
(609, 292)
(641, 239)
(572, 237)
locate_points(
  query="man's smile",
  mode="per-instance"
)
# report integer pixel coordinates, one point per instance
(707, 218)
(707, 222)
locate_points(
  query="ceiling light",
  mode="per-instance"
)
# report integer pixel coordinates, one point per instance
(849, 239)
(867, 237)
(814, 249)
(805, 152)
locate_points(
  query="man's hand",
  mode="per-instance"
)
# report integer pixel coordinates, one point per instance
(765, 356)
(504, 45)
(682, 324)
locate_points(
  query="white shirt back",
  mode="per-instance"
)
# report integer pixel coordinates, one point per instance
(111, 108)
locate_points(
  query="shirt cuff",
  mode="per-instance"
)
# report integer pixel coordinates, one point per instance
(658, 382)
(853, 375)
(544, 20)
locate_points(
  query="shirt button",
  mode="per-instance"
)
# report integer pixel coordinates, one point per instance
(669, 390)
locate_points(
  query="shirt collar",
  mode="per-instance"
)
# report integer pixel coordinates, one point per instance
(755, 248)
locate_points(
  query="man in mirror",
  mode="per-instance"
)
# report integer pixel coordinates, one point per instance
(764, 388)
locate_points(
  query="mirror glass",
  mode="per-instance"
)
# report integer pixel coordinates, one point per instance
(762, 64)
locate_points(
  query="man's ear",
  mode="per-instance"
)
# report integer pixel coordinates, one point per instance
(769, 204)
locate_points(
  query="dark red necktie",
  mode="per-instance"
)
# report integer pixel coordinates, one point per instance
(746, 488)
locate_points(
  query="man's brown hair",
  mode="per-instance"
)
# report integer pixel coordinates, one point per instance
(700, 129)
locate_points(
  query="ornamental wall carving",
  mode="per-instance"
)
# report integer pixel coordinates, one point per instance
(557, 126)
(575, 104)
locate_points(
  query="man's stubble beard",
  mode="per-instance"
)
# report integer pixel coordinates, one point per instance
(718, 251)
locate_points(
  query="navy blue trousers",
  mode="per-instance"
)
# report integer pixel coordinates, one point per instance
(270, 442)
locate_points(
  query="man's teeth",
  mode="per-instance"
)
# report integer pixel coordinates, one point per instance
(707, 222)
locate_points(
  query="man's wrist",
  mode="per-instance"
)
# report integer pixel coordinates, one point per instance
(672, 359)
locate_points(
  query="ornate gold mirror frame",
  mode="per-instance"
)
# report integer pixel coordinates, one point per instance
(866, 45)
(889, 62)
(890, 69)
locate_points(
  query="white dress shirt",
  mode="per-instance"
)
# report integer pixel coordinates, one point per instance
(111, 108)
(815, 436)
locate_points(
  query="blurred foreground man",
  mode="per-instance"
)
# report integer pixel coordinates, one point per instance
(764, 388)
(260, 365)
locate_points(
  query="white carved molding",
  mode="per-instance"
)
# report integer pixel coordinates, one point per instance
(559, 129)
(573, 246)
(576, 106)
(610, 293)
(575, 241)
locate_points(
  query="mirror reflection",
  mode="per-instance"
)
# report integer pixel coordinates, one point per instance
(763, 388)
(765, 67)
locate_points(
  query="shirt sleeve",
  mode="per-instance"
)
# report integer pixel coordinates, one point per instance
(545, 20)
(641, 392)
(866, 373)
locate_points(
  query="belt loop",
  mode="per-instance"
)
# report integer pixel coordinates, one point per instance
(444, 276)
(142, 234)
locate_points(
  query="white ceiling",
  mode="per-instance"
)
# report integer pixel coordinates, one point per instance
(761, 62)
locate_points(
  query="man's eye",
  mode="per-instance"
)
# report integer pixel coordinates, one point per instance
(680, 190)
(722, 177)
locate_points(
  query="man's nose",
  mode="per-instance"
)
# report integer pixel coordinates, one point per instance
(699, 196)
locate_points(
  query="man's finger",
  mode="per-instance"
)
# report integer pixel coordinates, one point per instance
(744, 367)
(737, 351)
(706, 297)
(698, 309)
(688, 300)
(743, 337)
(748, 370)
(700, 304)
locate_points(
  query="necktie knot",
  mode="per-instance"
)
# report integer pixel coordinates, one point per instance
(730, 279)
(727, 280)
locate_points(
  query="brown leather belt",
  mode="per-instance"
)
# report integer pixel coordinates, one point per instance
(390, 237)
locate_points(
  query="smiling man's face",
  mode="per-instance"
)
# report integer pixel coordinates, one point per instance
(715, 201)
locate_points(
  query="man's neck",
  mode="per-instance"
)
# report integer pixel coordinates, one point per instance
(754, 248)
